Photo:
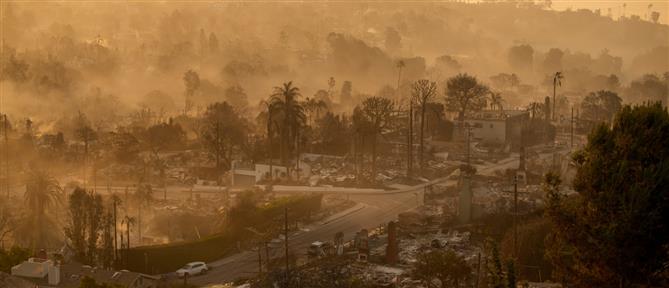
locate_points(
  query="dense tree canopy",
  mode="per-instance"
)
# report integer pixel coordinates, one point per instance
(464, 93)
(614, 232)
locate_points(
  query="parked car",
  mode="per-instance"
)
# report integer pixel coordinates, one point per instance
(193, 268)
(318, 249)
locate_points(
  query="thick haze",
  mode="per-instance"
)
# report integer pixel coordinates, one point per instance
(109, 59)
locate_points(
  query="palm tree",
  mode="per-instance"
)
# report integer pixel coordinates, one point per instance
(42, 193)
(313, 105)
(289, 111)
(128, 221)
(536, 110)
(557, 81)
(496, 101)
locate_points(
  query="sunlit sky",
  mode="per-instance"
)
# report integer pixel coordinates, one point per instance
(638, 7)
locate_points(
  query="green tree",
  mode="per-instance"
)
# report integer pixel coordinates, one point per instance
(85, 225)
(423, 92)
(42, 193)
(614, 232)
(88, 282)
(333, 134)
(510, 274)
(378, 112)
(76, 229)
(464, 93)
(531, 238)
(159, 138)
(495, 274)
(451, 269)
(600, 106)
(289, 112)
(222, 130)
(12, 257)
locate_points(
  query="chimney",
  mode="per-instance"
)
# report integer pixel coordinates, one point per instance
(391, 248)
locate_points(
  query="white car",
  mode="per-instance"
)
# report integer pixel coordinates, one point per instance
(193, 268)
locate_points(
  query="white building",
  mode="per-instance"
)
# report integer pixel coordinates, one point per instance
(498, 127)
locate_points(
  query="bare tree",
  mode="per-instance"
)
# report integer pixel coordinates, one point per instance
(222, 129)
(423, 91)
(378, 112)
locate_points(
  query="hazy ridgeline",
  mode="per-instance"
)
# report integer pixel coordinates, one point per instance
(108, 60)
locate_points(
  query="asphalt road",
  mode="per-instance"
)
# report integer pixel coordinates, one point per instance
(374, 210)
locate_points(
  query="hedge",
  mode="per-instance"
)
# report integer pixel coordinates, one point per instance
(170, 257)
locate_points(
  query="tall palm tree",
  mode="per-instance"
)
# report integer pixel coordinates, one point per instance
(557, 81)
(42, 193)
(287, 109)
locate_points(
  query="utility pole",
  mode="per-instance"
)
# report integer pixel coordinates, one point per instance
(297, 147)
(400, 65)
(6, 125)
(478, 270)
(269, 138)
(285, 229)
(515, 216)
(266, 254)
(572, 127)
(410, 141)
(139, 223)
(259, 262)
(469, 135)
(115, 235)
